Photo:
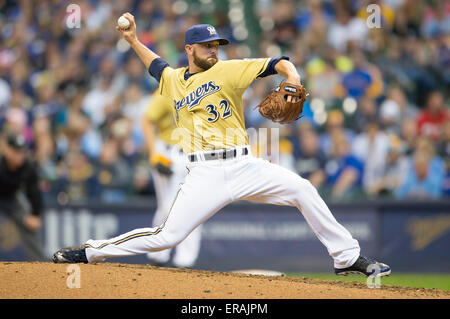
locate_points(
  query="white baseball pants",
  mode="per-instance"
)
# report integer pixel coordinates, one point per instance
(211, 185)
(166, 187)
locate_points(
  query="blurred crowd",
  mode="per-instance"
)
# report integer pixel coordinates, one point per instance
(377, 123)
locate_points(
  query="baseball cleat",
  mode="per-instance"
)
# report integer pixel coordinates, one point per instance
(365, 266)
(70, 255)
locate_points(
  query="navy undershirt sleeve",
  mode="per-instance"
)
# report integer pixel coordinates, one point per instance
(157, 67)
(270, 70)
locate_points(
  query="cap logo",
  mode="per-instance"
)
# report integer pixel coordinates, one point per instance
(211, 30)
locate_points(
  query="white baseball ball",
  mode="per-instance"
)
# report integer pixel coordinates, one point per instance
(123, 23)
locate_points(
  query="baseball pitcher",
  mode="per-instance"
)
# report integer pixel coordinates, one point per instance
(208, 106)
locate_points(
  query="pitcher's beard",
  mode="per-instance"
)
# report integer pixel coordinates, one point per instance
(205, 64)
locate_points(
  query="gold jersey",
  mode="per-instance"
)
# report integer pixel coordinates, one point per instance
(208, 106)
(159, 112)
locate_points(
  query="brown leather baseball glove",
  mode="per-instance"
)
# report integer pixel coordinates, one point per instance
(276, 107)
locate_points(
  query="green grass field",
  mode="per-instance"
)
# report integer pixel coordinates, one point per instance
(438, 281)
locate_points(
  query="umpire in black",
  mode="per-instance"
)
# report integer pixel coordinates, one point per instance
(20, 196)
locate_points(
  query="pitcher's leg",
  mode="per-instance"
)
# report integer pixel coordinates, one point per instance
(274, 184)
(198, 199)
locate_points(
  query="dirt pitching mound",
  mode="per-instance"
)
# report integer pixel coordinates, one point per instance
(109, 280)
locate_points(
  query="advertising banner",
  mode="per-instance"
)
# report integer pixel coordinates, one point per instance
(253, 236)
(417, 241)
(239, 236)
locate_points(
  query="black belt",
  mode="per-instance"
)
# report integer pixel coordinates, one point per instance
(220, 154)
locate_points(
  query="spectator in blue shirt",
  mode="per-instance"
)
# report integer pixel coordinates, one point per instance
(344, 170)
(357, 82)
(424, 180)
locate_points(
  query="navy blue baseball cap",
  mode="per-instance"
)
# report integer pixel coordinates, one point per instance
(201, 33)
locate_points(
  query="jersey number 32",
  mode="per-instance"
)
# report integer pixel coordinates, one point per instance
(212, 109)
